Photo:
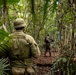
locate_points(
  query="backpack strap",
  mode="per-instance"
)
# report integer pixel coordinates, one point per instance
(29, 46)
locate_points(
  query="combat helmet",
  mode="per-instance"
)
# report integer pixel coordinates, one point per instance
(19, 22)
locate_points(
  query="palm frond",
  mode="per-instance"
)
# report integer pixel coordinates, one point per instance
(3, 34)
(4, 66)
(45, 8)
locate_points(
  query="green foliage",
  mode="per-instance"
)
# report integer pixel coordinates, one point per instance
(64, 60)
(4, 43)
(4, 66)
(45, 8)
(9, 1)
(3, 34)
(54, 5)
(32, 9)
(63, 64)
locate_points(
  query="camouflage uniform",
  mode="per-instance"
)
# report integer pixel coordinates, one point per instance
(23, 65)
(47, 45)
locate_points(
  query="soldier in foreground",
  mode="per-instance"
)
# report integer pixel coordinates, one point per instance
(23, 48)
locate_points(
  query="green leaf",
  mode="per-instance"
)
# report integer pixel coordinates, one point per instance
(9, 1)
(13, 1)
(1, 2)
(59, 60)
(64, 59)
(4, 66)
(3, 34)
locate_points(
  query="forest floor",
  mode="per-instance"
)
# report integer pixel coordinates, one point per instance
(44, 63)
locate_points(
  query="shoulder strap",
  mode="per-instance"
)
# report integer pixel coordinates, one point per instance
(29, 46)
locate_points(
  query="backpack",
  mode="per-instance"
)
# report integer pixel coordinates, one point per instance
(18, 44)
(16, 52)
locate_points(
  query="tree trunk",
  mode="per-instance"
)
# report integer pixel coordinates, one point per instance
(4, 14)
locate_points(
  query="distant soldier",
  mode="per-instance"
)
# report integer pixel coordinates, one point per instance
(47, 45)
(22, 49)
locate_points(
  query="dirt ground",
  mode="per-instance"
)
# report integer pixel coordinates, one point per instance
(45, 62)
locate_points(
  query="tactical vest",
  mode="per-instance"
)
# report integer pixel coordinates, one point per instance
(20, 50)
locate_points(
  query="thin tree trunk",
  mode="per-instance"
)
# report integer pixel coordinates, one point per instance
(4, 14)
(60, 27)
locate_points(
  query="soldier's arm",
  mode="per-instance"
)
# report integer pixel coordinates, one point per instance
(34, 47)
(35, 50)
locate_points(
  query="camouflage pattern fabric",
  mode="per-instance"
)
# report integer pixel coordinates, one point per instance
(25, 55)
(20, 53)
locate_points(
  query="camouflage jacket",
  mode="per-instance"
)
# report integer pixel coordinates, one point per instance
(24, 54)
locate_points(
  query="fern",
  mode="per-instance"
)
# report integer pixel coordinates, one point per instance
(4, 66)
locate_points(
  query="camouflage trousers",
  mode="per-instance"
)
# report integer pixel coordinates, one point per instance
(23, 71)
